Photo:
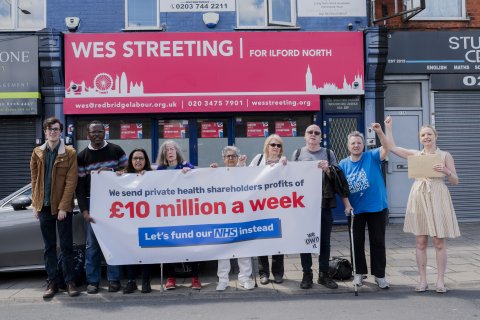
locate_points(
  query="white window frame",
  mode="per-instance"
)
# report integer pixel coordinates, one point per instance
(269, 22)
(14, 18)
(156, 27)
(409, 4)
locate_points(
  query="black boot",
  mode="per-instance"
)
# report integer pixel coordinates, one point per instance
(324, 279)
(307, 280)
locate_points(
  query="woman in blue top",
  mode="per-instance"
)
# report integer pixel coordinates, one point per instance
(368, 197)
(170, 157)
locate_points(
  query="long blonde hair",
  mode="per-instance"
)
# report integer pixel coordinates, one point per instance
(268, 141)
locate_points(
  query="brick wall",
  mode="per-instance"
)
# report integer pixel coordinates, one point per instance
(472, 9)
(109, 16)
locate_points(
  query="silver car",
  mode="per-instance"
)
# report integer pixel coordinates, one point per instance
(21, 242)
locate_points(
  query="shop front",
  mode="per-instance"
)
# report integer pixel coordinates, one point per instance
(433, 78)
(209, 90)
(20, 106)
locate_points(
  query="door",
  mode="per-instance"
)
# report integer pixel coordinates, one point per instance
(406, 125)
(335, 133)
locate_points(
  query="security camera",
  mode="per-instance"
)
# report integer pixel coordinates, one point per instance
(350, 26)
(356, 84)
(72, 23)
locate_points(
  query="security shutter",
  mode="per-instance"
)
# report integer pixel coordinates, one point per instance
(457, 116)
(16, 145)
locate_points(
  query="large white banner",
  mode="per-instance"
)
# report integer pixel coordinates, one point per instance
(207, 214)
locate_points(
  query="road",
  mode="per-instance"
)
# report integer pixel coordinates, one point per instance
(391, 304)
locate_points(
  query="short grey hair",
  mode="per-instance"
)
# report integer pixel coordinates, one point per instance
(230, 148)
(356, 134)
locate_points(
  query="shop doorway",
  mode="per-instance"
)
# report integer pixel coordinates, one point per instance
(335, 133)
(405, 131)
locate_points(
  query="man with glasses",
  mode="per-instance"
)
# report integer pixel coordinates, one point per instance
(100, 155)
(232, 158)
(53, 168)
(314, 152)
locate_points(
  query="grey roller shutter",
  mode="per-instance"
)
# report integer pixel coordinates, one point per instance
(457, 119)
(16, 144)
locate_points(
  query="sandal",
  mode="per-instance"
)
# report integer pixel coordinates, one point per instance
(421, 288)
(441, 290)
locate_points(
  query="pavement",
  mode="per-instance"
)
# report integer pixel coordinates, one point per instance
(463, 272)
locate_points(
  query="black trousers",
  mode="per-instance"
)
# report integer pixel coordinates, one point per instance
(376, 222)
(169, 269)
(277, 265)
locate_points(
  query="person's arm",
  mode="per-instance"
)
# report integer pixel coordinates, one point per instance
(70, 184)
(390, 141)
(34, 177)
(347, 205)
(81, 190)
(448, 169)
(384, 148)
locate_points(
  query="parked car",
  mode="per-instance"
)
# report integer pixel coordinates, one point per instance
(21, 243)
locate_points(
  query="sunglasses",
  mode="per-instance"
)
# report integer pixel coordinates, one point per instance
(317, 133)
(273, 145)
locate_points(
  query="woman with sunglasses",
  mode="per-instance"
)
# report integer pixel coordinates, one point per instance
(272, 154)
(139, 163)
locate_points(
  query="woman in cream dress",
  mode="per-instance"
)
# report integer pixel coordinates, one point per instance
(429, 208)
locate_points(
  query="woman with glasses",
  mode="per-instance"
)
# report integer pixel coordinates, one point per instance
(368, 200)
(232, 158)
(170, 157)
(139, 163)
(272, 154)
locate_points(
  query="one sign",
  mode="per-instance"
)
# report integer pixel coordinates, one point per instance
(175, 130)
(286, 128)
(19, 91)
(421, 166)
(433, 52)
(455, 82)
(196, 5)
(131, 131)
(209, 72)
(342, 104)
(257, 129)
(207, 214)
(331, 8)
(212, 130)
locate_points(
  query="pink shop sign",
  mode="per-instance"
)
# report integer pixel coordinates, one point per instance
(209, 72)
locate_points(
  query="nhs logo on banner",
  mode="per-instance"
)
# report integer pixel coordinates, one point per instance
(209, 233)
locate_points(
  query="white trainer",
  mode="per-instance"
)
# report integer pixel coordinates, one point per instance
(358, 280)
(382, 283)
(248, 285)
(222, 286)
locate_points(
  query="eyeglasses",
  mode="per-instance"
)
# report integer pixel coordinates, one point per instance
(273, 145)
(98, 132)
(317, 133)
(53, 129)
(231, 156)
(138, 158)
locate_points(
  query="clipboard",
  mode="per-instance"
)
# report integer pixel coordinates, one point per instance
(421, 166)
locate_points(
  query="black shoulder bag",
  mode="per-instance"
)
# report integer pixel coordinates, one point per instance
(340, 183)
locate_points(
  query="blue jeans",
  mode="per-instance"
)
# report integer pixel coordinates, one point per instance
(324, 256)
(93, 259)
(49, 225)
